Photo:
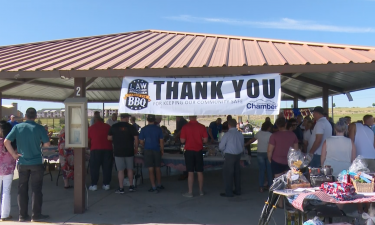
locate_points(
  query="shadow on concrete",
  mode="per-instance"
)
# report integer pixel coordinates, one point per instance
(166, 207)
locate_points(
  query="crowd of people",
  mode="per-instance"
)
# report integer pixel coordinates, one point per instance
(336, 145)
(122, 139)
(117, 142)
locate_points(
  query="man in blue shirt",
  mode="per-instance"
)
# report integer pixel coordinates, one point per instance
(151, 138)
(214, 129)
(232, 145)
(28, 136)
(13, 121)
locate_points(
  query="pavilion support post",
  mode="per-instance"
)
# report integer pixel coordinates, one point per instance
(325, 99)
(103, 111)
(332, 106)
(295, 102)
(79, 159)
(1, 105)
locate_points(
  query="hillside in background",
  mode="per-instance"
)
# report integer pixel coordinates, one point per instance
(355, 113)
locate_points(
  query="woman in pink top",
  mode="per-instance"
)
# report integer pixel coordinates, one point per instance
(66, 160)
(7, 165)
(278, 148)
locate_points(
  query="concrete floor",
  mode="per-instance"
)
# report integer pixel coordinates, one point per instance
(166, 207)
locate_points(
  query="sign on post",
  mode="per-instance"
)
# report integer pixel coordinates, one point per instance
(238, 95)
(76, 123)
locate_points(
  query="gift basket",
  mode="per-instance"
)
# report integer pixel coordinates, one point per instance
(297, 161)
(362, 182)
(357, 175)
(363, 187)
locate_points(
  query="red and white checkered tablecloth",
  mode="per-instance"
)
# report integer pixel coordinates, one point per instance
(320, 195)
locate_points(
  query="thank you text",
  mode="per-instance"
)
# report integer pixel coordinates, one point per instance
(238, 95)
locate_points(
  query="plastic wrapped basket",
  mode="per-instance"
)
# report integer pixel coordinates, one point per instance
(363, 187)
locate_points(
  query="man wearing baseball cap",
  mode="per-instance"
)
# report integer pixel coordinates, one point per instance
(13, 121)
(322, 131)
(124, 137)
(28, 136)
(151, 137)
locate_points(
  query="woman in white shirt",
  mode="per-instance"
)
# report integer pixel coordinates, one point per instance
(263, 136)
(338, 151)
(307, 134)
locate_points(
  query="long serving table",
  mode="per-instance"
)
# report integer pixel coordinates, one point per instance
(324, 205)
(177, 162)
(50, 154)
(172, 148)
(247, 137)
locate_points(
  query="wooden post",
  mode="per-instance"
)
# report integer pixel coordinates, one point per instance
(332, 107)
(1, 105)
(325, 99)
(79, 158)
(103, 111)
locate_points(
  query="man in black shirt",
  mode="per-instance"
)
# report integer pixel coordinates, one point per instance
(225, 127)
(180, 122)
(136, 126)
(124, 138)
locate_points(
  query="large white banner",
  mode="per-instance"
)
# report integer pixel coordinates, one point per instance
(236, 95)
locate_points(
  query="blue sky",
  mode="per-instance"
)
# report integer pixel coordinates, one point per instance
(342, 22)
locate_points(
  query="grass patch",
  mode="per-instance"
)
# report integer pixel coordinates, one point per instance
(254, 147)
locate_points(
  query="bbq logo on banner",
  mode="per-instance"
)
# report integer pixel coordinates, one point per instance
(235, 95)
(137, 97)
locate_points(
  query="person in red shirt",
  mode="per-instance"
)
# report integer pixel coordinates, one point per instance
(101, 153)
(278, 148)
(194, 134)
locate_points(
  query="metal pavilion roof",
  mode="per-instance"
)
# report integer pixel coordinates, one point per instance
(41, 71)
